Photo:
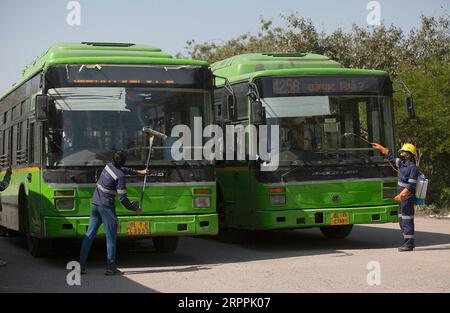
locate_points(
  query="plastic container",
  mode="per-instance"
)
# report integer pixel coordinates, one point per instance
(421, 190)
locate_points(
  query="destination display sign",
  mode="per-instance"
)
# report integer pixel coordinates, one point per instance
(322, 85)
(91, 75)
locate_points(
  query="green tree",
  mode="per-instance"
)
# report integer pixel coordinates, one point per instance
(430, 131)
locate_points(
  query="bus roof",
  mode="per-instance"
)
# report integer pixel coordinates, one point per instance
(99, 52)
(246, 67)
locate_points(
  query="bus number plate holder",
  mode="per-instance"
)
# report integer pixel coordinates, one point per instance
(138, 228)
(340, 219)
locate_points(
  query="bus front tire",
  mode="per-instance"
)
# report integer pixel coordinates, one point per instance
(165, 244)
(38, 247)
(337, 232)
(3, 231)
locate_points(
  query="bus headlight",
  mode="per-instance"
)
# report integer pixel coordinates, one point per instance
(389, 193)
(64, 204)
(202, 202)
(277, 200)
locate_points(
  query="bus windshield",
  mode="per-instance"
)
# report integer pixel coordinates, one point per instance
(86, 124)
(326, 119)
(326, 129)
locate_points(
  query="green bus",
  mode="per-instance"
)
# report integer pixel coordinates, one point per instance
(74, 106)
(328, 174)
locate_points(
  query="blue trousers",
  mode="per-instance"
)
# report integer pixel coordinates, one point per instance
(107, 217)
(406, 220)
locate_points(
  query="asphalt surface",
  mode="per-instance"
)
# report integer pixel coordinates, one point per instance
(277, 261)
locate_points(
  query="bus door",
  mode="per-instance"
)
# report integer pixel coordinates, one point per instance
(33, 175)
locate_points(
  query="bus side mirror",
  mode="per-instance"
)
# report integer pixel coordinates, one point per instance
(258, 113)
(410, 107)
(231, 105)
(41, 108)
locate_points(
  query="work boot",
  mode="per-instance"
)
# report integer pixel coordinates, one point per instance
(113, 272)
(405, 249)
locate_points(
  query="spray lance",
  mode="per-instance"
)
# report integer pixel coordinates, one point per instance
(422, 181)
(152, 134)
(353, 134)
(370, 143)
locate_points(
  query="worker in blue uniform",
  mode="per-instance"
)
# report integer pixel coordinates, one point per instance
(406, 190)
(110, 183)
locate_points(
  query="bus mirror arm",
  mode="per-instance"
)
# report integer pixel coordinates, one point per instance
(41, 105)
(231, 106)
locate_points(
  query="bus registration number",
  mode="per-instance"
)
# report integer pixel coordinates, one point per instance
(138, 228)
(340, 219)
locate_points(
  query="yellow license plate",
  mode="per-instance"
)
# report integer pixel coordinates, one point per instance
(138, 228)
(340, 219)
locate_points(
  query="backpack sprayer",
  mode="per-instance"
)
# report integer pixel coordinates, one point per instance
(152, 134)
(421, 189)
(422, 181)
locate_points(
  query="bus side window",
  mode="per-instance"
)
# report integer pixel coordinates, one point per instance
(14, 144)
(241, 93)
(31, 143)
(24, 139)
(5, 160)
(219, 105)
(19, 144)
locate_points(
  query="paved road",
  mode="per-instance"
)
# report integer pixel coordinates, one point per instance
(282, 261)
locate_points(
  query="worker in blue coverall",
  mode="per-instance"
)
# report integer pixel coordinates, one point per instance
(406, 190)
(110, 183)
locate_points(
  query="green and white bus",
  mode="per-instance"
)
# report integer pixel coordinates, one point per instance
(74, 106)
(329, 176)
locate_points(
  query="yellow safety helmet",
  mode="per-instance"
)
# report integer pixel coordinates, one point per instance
(409, 148)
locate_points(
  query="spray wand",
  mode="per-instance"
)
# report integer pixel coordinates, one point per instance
(152, 134)
(353, 134)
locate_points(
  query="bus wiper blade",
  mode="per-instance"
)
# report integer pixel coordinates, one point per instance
(94, 163)
(294, 169)
(365, 157)
(288, 172)
(190, 164)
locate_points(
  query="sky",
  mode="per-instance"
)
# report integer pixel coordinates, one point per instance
(30, 27)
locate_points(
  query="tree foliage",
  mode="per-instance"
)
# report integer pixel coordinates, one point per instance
(430, 131)
(420, 58)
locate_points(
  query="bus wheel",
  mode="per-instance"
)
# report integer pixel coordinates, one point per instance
(337, 232)
(38, 247)
(3, 231)
(165, 244)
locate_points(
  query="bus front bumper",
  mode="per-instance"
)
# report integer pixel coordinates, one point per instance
(137, 226)
(305, 218)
